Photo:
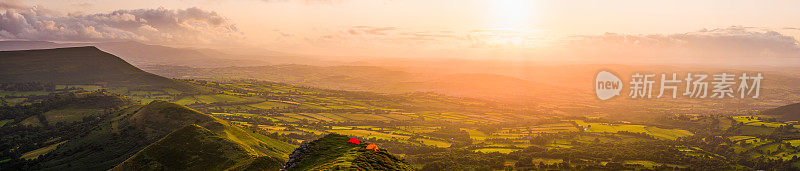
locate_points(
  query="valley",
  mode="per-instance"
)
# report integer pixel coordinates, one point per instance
(123, 118)
(363, 85)
(421, 126)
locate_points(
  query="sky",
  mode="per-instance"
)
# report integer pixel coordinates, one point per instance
(476, 29)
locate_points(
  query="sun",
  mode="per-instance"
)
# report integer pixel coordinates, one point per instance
(510, 14)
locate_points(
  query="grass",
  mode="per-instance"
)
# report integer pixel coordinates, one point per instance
(767, 148)
(191, 148)
(211, 99)
(85, 87)
(671, 134)
(644, 163)
(499, 150)
(476, 135)
(300, 117)
(31, 121)
(187, 100)
(611, 128)
(766, 124)
(23, 93)
(553, 128)
(661, 133)
(754, 130)
(795, 143)
(547, 161)
(286, 119)
(14, 101)
(69, 115)
(4, 122)
(270, 105)
(756, 121)
(318, 117)
(332, 116)
(218, 98)
(436, 143)
(41, 151)
(234, 114)
(366, 117)
(739, 138)
(368, 134)
(725, 123)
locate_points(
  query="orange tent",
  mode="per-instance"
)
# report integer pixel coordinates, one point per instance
(354, 141)
(372, 147)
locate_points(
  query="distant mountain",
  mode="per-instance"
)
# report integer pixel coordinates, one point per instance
(28, 45)
(789, 112)
(141, 55)
(78, 65)
(333, 152)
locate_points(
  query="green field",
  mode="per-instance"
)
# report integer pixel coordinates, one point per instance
(270, 105)
(795, 143)
(436, 143)
(740, 138)
(671, 134)
(4, 122)
(69, 115)
(614, 128)
(369, 134)
(41, 151)
(499, 150)
(23, 93)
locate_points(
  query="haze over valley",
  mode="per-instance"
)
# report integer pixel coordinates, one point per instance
(399, 85)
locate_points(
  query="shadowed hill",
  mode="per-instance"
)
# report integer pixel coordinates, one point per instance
(160, 118)
(201, 142)
(140, 54)
(123, 134)
(196, 148)
(333, 152)
(78, 65)
(789, 112)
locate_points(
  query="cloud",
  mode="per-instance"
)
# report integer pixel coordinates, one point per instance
(791, 28)
(160, 26)
(11, 4)
(82, 5)
(327, 2)
(730, 43)
(370, 30)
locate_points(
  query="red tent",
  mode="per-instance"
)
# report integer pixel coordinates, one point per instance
(353, 141)
(372, 147)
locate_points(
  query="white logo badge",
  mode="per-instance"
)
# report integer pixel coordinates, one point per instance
(607, 85)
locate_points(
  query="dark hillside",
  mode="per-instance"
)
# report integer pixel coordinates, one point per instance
(788, 113)
(78, 65)
(196, 148)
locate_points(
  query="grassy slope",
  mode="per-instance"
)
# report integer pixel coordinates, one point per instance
(163, 117)
(42, 151)
(196, 148)
(205, 143)
(132, 130)
(332, 152)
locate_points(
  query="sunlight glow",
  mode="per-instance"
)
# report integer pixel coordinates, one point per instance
(511, 14)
